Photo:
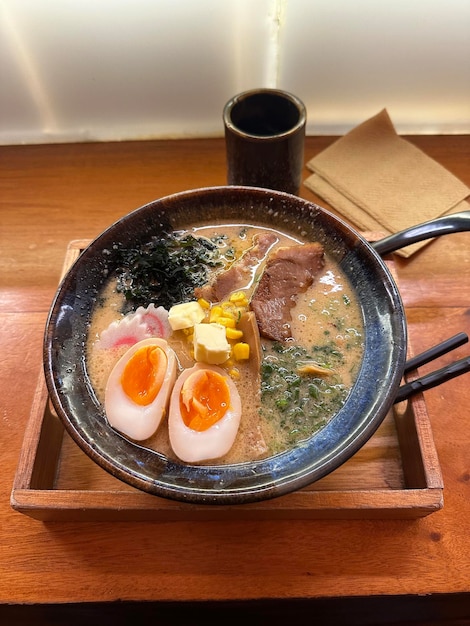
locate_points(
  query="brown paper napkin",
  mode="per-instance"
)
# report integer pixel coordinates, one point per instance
(378, 181)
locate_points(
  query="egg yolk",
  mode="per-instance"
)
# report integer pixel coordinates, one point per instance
(204, 399)
(144, 374)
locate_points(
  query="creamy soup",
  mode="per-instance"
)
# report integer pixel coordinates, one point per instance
(298, 384)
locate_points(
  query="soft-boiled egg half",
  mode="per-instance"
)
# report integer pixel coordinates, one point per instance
(204, 414)
(139, 387)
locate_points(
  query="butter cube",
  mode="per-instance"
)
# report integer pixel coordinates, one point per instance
(210, 344)
(185, 315)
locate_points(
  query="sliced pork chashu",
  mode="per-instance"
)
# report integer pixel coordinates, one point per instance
(289, 271)
(240, 274)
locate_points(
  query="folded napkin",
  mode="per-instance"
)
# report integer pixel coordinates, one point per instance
(378, 181)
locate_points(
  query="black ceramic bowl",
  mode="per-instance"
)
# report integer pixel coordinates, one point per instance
(369, 401)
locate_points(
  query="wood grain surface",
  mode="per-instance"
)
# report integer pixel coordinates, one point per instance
(50, 195)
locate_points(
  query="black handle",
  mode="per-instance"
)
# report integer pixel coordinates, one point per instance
(436, 351)
(432, 380)
(455, 223)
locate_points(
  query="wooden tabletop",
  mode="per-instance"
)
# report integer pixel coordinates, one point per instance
(50, 195)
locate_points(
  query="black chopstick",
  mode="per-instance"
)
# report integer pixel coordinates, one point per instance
(436, 351)
(433, 379)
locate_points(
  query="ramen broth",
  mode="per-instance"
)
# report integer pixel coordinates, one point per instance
(280, 407)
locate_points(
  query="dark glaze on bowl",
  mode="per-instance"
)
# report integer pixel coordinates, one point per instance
(368, 403)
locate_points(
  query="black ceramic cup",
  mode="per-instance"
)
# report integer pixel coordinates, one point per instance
(264, 137)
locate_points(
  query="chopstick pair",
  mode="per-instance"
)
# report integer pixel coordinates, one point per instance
(439, 376)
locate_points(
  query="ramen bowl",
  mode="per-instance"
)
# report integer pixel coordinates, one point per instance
(369, 400)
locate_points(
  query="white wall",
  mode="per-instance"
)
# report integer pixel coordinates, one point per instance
(81, 70)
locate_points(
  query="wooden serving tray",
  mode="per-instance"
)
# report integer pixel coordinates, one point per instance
(396, 474)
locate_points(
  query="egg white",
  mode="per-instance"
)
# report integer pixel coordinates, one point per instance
(193, 446)
(136, 421)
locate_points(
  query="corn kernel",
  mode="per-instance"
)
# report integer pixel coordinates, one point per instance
(239, 298)
(233, 333)
(241, 351)
(216, 312)
(203, 303)
(228, 322)
(234, 373)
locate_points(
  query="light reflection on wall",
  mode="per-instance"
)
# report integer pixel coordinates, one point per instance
(127, 69)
